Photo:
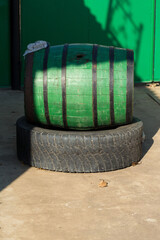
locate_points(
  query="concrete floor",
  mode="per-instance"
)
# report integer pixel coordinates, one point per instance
(45, 205)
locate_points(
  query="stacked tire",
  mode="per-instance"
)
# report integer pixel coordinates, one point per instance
(79, 109)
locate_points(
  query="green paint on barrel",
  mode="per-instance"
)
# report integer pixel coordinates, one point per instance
(120, 85)
(54, 85)
(79, 86)
(83, 75)
(38, 100)
(103, 95)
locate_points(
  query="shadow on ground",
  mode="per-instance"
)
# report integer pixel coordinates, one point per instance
(11, 105)
(147, 109)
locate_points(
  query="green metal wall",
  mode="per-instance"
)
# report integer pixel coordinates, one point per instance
(4, 43)
(157, 43)
(121, 23)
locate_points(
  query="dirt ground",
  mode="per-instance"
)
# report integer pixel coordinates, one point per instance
(44, 205)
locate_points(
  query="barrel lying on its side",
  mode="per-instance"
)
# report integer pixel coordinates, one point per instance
(79, 86)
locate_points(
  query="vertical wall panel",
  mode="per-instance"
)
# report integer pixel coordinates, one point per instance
(4, 43)
(157, 43)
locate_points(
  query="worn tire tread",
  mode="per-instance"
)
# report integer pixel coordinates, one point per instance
(79, 151)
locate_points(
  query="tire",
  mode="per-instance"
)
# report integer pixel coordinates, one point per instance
(79, 151)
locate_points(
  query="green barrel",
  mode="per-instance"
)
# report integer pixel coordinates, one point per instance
(79, 86)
